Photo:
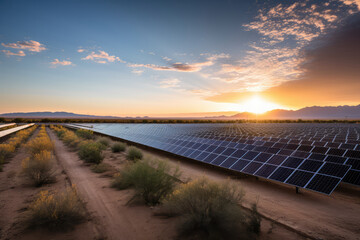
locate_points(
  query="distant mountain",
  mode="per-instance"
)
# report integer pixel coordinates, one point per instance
(53, 115)
(315, 112)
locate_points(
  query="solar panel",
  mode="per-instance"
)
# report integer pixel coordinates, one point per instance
(312, 156)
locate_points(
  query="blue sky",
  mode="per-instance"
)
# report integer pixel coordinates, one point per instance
(154, 57)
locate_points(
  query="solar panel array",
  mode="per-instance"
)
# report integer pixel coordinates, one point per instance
(307, 155)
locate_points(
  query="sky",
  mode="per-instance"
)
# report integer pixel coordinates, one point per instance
(162, 58)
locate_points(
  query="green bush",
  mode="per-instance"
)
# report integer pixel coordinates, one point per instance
(56, 211)
(90, 152)
(134, 154)
(100, 168)
(86, 134)
(104, 141)
(118, 147)
(39, 168)
(210, 210)
(152, 180)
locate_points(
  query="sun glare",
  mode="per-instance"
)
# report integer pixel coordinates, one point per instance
(258, 105)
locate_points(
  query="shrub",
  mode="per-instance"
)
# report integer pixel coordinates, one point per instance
(118, 147)
(134, 154)
(91, 152)
(39, 168)
(153, 180)
(209, 210)
(56, 211)
(104, 141)
(39, 144)
(100, 168)
(70, 139)
(86, 134)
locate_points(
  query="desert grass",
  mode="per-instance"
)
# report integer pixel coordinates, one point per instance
(39, 168)
(85, 134)
(56, 211)
(91, 151)
(211, 210)
(134, 154)
(118, 147)
(152, 179)
(41, 143)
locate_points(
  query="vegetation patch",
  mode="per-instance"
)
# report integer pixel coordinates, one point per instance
(210, 210)
(104, 141)
(91, 152)
(152, 180)
(86, 134)
(39, 168)
(41, 143)
(118, 147)
(134, 154)
(56, 211)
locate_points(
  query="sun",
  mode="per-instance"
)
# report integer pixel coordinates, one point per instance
(256, 104)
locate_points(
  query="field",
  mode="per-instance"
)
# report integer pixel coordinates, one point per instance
(91, 162)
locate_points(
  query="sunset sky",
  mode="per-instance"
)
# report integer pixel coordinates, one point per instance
(159, 58)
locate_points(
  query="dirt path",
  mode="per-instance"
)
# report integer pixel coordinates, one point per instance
(108, 207)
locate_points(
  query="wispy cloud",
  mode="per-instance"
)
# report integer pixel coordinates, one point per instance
(32, 46)
(102, 57)
(170, 83)
(138, 72)
(355, 3)
(181, 67)
(9, 53)
(80, 50)
(56, 62)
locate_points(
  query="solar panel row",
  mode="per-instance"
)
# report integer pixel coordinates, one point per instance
(300, 159)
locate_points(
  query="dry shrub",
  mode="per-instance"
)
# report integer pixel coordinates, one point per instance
(210, 210)
(118, 147)
(41, 143)
(70, 139)
(153, 180)
(91, 152)
(56, 211)
(86, 134)
(104, 141)
(134, 154)
(39, 168)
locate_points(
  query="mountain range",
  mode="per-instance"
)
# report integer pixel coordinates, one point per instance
(315, 112)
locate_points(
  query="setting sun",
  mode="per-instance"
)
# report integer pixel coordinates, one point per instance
(258, 105)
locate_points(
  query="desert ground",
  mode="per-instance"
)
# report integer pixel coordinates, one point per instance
(285, 214)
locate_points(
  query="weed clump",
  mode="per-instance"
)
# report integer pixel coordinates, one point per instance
(210, 210)
(56, 211)
(104, 141)
(86, 134)
(134, 154)
(39, 168)
(152, 180)
(118, 147)
(91, 152)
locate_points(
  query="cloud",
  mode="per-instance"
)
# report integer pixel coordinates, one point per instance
(138, 72)
(170, 83)
(62, 63)
(331, 73)
(181, 67)
(32, 46)
(102, 57)
(9, 53)
(80, 50)
(355, 3)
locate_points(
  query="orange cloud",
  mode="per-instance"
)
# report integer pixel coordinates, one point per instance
(102, 57)
(62, 63)
(32, 46)
(9, 53)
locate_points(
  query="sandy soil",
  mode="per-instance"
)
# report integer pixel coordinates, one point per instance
(15, 196)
